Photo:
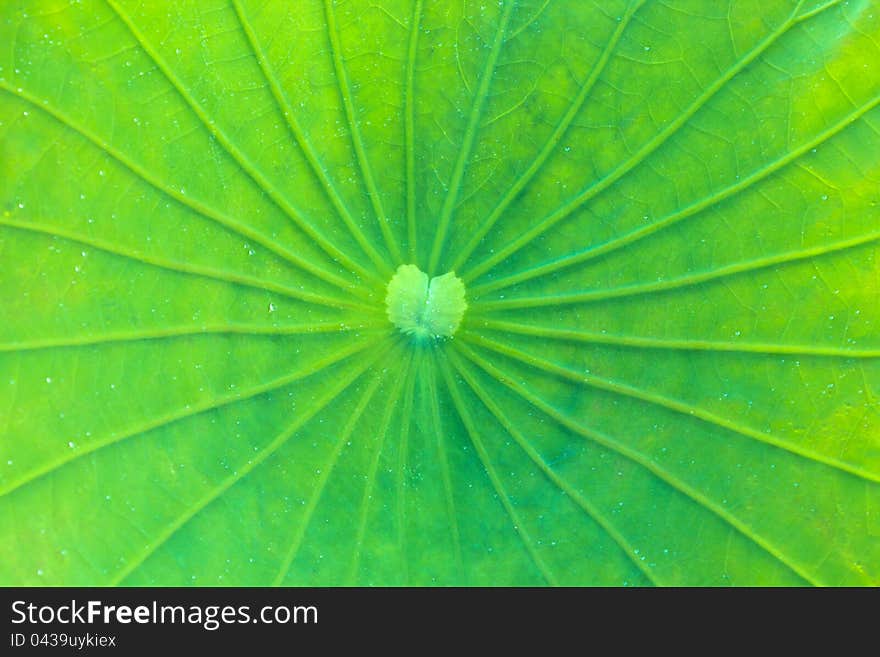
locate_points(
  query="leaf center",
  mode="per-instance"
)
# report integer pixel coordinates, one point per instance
(425, 308)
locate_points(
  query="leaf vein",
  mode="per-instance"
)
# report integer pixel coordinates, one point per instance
(246, 165)
(200, 208)
(300, 138)
(680, 407)
(707, 202)
(296, 543)
(187, 268)
(640, 459)
(552, 142)
(270, 449)
(636, 158)
(177, 332)
(673, 344)
(527, 540)
(390, 406)
(182, 414)
(357, 140)
(467, 142)
(583, 503)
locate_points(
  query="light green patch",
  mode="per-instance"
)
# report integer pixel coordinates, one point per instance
(424, 308)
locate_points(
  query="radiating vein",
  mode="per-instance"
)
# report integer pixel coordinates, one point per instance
(527, 23)
(583, 503)
(304, 144)
(576, 335)
(467, 141)
(390, 407)
(688, 211)
(326, 471)
(656, 399)
(593, 189)
(354, 127)
(189, 410)
(246, 468)
(115, 337)
(639, 458)
(691, 280)
(527, 541)
(402, 458)
(552, 142)
(200, 208)
(246, 165)
(817, 10)
(188, 268)
(437, 426)
(410, 130)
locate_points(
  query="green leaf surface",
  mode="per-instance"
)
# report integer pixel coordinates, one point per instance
(666, 216)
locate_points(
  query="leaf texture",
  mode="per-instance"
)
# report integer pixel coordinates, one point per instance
(666, 216)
